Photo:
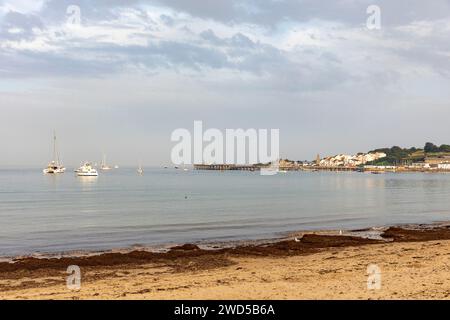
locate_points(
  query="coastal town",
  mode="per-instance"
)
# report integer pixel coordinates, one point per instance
(395, 159)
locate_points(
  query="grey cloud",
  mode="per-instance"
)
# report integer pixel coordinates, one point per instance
(431, 49)
(307, 68)
(30, 64)
(267, 13)
(167, 20)
(272, 12)
(24, 23)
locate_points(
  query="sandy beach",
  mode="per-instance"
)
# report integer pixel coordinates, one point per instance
(413, 264)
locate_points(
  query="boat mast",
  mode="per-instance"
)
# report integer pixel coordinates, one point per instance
(55, 150)
(54, 147)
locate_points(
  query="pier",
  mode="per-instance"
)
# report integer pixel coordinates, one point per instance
(337, 168)
(223, 167)
(257, 167)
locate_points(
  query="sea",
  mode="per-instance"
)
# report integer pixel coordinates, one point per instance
(120, 209)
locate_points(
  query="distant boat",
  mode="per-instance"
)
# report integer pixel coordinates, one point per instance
(55, 165)
(116, 167)
(86, 170)
(140, 170)
(103, 165)
(272, 169)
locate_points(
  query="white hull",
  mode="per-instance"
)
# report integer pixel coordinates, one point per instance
(87, 174)
(54, 170)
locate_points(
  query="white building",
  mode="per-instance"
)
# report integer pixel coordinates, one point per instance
(444, 166)
(351, 160)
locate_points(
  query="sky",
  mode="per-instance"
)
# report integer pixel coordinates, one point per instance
(121, 78)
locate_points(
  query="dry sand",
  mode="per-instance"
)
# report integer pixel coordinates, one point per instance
(412, 267)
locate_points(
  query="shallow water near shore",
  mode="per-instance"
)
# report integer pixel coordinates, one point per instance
(119, 209)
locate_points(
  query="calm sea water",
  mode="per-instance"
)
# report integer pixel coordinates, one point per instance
(40, 213)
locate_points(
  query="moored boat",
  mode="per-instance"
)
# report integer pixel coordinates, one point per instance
(140, 170)
(55, 165)
(103, 165)
(87, 170)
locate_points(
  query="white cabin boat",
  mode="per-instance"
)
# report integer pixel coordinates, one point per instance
(87, 170)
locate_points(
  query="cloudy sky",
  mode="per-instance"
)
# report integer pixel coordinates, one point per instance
(130, 72)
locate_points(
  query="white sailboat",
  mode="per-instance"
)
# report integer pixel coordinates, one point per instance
(55, 165)
(272, 169)
(103, 165)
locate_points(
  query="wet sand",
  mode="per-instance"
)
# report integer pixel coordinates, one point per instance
(414, 264)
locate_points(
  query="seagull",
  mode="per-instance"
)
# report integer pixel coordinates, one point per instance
(297, 239)
(340, 232)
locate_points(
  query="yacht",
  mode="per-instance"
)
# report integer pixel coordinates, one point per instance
(55, 165)
(86, 170)
(53, 168)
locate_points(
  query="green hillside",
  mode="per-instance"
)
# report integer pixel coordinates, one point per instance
(397, 155)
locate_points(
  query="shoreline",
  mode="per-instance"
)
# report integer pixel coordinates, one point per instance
(143, 274)
(373, 232)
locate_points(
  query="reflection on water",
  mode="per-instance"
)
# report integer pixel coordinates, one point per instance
(121, 208)
(87, 182)
(52, 179)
